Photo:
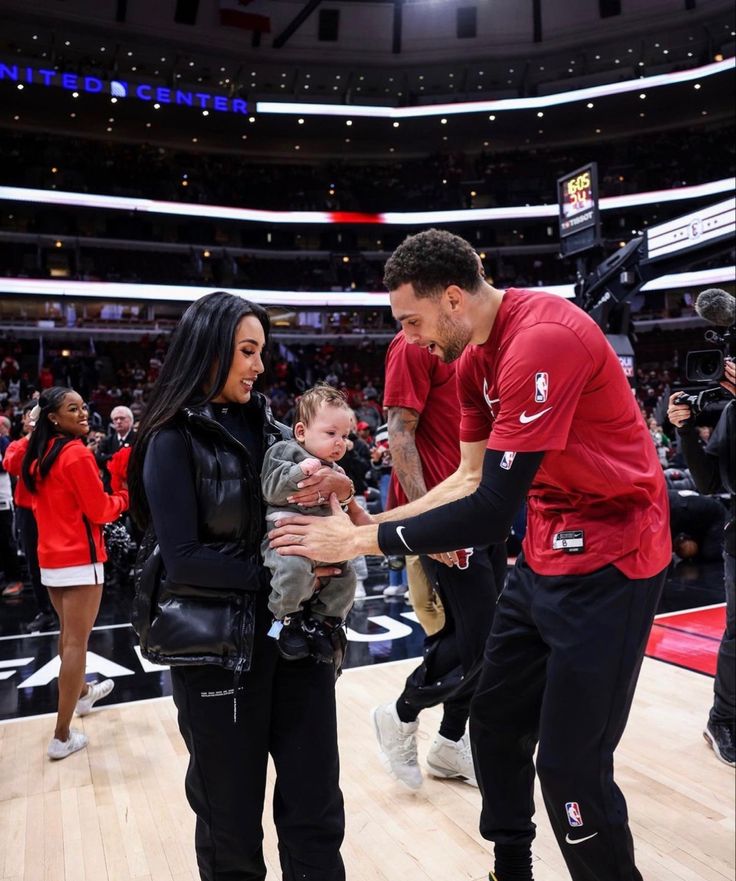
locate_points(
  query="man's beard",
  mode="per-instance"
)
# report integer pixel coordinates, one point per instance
(454, 339)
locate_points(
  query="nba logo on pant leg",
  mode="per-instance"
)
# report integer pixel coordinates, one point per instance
(574, 817)
(507, 460)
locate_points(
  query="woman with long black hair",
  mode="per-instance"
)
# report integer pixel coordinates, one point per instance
(201, 605)
(70, 506)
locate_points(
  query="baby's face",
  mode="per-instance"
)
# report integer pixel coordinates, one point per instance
(326, 435)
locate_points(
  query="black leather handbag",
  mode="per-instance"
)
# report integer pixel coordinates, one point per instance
(182, 624)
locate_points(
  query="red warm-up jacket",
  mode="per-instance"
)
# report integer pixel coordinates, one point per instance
(70, 506)
(12, 462)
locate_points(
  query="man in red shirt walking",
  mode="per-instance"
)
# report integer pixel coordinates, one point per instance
(547, 414)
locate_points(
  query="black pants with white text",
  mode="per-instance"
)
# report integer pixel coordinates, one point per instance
(287, 709)
(560, 669)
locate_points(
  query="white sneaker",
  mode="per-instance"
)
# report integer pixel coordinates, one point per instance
(397, 742)
(395, 590)
(60, 749)
(97, 690)
(360, 590)
(447, 758)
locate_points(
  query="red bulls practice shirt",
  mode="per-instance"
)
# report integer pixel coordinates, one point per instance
(548, 380)
(421, 382)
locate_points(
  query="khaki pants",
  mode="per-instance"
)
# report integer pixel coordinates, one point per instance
(425, 599)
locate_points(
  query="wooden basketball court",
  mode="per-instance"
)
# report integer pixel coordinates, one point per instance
(117, 811)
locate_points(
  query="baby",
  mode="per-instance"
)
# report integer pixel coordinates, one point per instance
(322, 424)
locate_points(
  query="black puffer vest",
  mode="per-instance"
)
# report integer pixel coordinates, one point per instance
(182, 624)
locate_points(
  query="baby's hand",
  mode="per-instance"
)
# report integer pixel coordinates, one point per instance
(310, 466)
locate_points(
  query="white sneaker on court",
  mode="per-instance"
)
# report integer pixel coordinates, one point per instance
(395, 590)
(60, 749)
(447, 758)
(397, 742)
(95, 692)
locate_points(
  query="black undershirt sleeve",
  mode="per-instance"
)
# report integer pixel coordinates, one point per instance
(167, 477)
(482, 518)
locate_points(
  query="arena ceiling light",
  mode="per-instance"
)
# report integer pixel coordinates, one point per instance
(537, 103)
(321, 218)
(53, 288)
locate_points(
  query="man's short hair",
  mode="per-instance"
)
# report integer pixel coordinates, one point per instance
(122, 411)
(431, 261)
(307, 406)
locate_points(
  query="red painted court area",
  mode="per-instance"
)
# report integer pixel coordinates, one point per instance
(689, 639)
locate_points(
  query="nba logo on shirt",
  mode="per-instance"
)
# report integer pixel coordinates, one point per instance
(541, 385)
(508, 461)
(574, 817)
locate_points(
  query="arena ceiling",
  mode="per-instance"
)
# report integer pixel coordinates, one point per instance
(521, 49)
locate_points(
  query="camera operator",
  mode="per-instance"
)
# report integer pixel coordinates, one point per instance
(713, 470)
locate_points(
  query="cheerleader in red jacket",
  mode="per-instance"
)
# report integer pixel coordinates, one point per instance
(70, 506)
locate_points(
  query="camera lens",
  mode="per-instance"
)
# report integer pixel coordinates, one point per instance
(706, 366)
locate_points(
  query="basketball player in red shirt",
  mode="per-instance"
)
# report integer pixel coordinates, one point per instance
(547, 414)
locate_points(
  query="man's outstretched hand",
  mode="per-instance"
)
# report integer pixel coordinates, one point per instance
(328, 539)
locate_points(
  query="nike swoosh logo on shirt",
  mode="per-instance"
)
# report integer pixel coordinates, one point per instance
(579, 840)
(399, 530)
(523, 418)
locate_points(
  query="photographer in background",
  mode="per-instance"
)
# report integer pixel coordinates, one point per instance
(696, 523)
(713, 470)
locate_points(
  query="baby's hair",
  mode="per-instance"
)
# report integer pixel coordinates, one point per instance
(309, 403)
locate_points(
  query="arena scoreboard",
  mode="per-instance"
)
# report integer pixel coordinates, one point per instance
(577, 196)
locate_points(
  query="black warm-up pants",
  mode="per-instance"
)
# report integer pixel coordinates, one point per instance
(287, 709)
(560, 670)
(8, 551)
(28, 531)
(723, 711)
(453, 656)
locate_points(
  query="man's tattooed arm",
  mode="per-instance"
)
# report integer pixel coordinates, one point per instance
(402, 427)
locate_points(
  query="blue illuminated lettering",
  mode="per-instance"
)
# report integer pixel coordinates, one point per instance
(10, 73)
(120, 89)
